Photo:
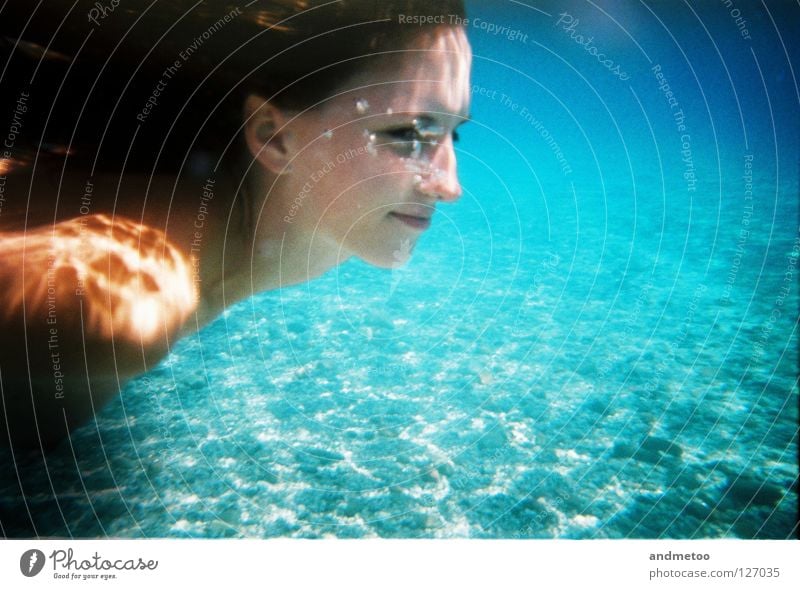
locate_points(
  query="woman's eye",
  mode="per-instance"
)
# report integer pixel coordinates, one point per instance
(405, 134)
(413, 140)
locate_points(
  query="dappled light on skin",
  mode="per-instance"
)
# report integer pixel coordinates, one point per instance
(451, 68)
(265, 18)
(9, 166)
(130, 282)
(145, 316)
(458, 67)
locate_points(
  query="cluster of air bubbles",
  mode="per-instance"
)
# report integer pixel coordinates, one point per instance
(429, 173)
(422, 169)
(362, 106)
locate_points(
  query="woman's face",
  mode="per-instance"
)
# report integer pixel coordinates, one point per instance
(371, 164)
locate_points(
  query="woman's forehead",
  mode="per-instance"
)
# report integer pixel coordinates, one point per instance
(433, 75)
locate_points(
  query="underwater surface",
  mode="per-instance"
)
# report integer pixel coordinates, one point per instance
(598, 341)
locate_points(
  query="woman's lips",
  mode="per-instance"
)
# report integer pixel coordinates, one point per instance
(413, 221)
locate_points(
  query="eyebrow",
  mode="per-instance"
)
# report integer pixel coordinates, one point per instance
(430, 119)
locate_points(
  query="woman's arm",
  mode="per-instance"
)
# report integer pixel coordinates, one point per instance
(87, 303)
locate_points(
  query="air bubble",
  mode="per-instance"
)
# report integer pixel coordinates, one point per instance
(371, 144)
(362, 106)
(389, 111)
(328, 134)
(417, 179)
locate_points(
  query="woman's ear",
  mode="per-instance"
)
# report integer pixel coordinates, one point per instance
(266, 134)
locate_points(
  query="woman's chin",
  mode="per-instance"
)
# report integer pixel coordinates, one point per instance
(393, 260)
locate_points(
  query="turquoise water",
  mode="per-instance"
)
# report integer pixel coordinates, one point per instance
(586, 346)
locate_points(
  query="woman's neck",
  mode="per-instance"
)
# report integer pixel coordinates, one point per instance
(287, 252)
(255, 249)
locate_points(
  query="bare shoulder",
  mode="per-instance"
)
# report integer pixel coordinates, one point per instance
(129, 279)
(87, 303)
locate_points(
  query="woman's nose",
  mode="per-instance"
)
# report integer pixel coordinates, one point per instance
(442, 180)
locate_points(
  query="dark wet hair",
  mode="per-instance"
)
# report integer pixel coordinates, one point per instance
(123, 82)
